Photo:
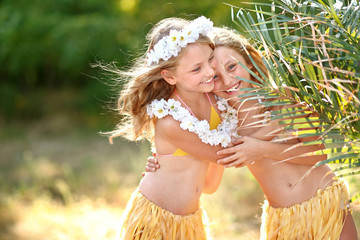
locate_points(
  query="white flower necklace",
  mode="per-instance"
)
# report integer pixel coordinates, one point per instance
(221, 135)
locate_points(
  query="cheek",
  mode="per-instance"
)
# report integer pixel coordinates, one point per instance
(243, 73)
(217, 85)
(218, 88)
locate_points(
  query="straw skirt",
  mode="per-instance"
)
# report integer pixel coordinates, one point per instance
(321, 217)
(144, 220)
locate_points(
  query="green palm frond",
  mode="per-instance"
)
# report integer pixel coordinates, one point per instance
(312, 50)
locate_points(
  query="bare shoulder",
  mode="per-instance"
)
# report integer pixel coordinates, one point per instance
(168, 126)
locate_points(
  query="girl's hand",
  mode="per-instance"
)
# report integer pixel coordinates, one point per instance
(246, 150)
(152, 164)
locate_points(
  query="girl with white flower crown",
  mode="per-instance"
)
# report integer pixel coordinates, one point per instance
(296, 207)
(167, 99)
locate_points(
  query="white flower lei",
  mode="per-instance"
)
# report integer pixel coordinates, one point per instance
(171, 45)
(221, 135)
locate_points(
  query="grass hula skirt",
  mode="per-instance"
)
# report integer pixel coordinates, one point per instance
(144, 220)
(321, 217)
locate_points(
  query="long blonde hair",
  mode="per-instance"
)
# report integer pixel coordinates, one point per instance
(145, 84)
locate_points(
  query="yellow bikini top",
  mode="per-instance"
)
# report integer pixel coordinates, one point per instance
(214, 122)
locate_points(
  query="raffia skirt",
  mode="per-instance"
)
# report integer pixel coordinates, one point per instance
(144, 220)
(321, 217)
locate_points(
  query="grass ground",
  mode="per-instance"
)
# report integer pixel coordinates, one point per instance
(59, 179)
(75, 185)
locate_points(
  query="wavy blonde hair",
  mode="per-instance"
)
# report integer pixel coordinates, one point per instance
(144, 84)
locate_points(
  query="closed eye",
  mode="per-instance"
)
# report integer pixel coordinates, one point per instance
(196, 69)
(211, 58)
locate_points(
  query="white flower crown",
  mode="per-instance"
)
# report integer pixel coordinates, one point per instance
(171, 45)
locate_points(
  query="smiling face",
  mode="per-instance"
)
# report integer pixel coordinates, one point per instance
(227, 69)
(194, 71)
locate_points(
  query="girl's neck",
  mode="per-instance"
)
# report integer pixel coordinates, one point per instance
(196, 102)
(188, 97)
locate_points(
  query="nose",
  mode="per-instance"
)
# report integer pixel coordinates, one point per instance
(227, 79)
(210, 71)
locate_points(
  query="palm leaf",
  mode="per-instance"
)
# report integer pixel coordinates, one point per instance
(313, 48)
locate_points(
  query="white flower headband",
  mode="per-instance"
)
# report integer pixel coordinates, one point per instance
(171, 45)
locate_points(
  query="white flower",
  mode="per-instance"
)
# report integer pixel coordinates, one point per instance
(188, 124)
(171, 45)
(181, 114)
(175, 109)
(221, 107)
(159, 108)
(151, 58)
(192, 35)
(221, 104)
(174, 37)
(338, 4)
(182, 40)
(174, 106)
(203, 125)
(226, 141)
(221, 135)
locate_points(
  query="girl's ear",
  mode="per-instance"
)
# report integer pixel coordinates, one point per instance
(168, 76)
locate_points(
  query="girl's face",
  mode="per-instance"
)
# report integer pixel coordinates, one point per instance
(195, 69)
(226, 84)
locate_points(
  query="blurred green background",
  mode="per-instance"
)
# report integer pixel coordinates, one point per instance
(49, 45)
(59, 178)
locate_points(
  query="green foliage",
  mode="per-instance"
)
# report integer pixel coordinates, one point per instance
(52, 43)
(47, 44)
(312, 50)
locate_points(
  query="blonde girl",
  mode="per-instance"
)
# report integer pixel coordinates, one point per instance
(167, 100)
(314, 207)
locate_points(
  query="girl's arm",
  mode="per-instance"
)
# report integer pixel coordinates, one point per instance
(249, 149)
(213, 178)
(271, 128)
(169, 131)
(258, 145)
(152, 164)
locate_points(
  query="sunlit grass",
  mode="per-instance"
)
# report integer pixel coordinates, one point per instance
(74, 186)
(96, 218)
(46, 219)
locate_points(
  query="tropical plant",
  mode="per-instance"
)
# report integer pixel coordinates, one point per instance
(312, 50)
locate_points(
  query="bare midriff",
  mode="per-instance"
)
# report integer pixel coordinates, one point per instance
(176, 186)
(286, 184)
